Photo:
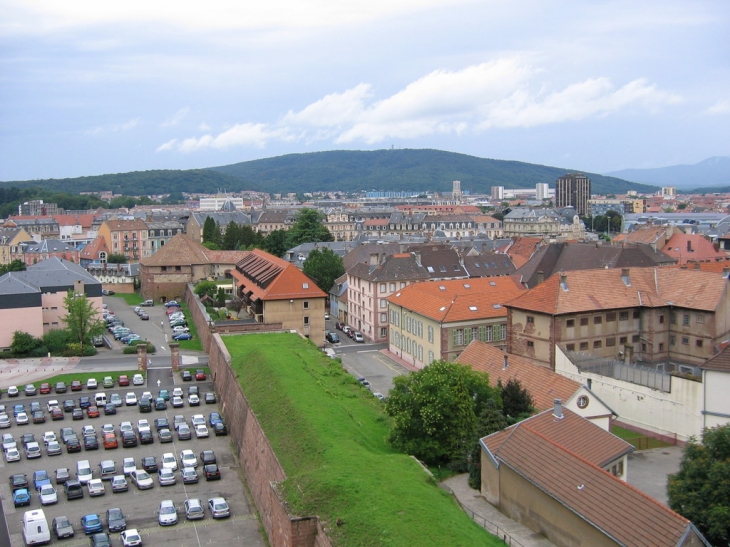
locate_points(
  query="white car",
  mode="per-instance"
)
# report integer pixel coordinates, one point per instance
(21, 418)
(126, 426)
(130, 399)
(53, 403)
(197, 419)
(148, 395)
(167, 514)
(188, 459)
(193, 399)
(88, 430)
(96, 487)
(177, 402)
(180, 329)
(166, 477)
(131, 538)
(4, 421)
(219, 508)
(138, 380)
(142, 479)
(49, 436)
(9, 441)
(143, 425)
(48, 495)
(169, 461)
(91, 383)
(128, 466)
(12, 455)
(201, 431)
(107, 428)
(13, 391)
(177, 392)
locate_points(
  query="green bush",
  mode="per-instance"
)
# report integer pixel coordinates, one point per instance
(40, 351)
(133, 349)
(56, 340)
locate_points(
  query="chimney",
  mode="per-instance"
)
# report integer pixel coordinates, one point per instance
(417, 256)
(624, 272)
(589, 385)
(506, 362)
(373, 259)
(540, 276)
(558, 409)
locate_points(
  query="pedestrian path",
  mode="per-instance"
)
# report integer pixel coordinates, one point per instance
(24, 371)
(489, 517)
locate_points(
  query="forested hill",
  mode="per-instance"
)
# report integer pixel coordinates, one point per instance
(412, 170)
(417, 170)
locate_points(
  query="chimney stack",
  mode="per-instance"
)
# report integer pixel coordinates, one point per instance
(374, 259)
(540, 277)
(417, 256)
(624, 272)
(558, 409)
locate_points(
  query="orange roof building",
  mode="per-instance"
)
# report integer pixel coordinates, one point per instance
(692, 247)
(438, 319)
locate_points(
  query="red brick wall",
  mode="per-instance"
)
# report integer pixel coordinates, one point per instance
(259, 463)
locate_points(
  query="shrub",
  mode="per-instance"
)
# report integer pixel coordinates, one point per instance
(40, 351)
(56, 340)
(129, 350)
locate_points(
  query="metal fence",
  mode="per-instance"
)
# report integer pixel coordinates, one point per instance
(637, 373)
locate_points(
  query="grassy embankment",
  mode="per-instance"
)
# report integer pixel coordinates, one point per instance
(640, 442)
(329, 434)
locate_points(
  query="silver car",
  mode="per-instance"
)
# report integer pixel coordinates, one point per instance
(119, 484)
(219, 508)
(194, 509)
(167, 514)
(166, 477)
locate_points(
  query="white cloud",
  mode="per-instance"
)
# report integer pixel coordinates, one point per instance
(131, 124)
(179, 116)
(484, 97)
(720, 107)
(169, 145)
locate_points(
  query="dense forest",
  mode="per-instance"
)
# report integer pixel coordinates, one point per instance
(348, 171)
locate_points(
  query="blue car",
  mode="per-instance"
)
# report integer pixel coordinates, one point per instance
(183, 336)
(214, 418)
(91, 524)
(40, 478)
(21, 497)
(17, 409)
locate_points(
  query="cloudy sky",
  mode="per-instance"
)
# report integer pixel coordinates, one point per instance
(90, 87)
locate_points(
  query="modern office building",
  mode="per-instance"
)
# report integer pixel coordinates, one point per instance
(573, 190)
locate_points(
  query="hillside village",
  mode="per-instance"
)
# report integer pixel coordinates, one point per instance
(629, 326)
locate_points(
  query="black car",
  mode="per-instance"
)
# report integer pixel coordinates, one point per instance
(74, 490)
(62, 476)
(145, 405)
(18, 481)
(26, 438)
(109, 408)
(69, 405)
(73, 445)
(160, 404)
(210, 398)
(186, 376)
(77, 414)
(101, 539)
(145, 437)
(129, 439)
(84, 402)
(212, 473)
(61, 387)
(208, 457)
(115, 520)
(220, 429)
(65, 433)
(332, 338)
(149, 464)
(91, 442)
(162, 423)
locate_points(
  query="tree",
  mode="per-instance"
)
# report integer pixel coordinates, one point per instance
(700, 491)
(23, 343)
(324, 266)
(308, 227)
(116, 258)
(517, 403)
(235, 304)
(81, 319)
(275, 243)
(250, 238)
(220, 296)
(15, 266)
(439, 412)
(209, 231)
(206, 288)
(232, 237)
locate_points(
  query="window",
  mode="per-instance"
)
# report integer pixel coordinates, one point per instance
(611, 316)
(661, 319)
(306, 304)
(530, 344)
(700, 318)
(583, 346)
(643, 348)
(598, 319)
(622, 340)
(570, 347)
(672, 340)
(623, 316)
(383, 303)
(530, 320)
(430, 357)
(458, 337)
(698, 343)
(306, 320)
(430, 334)
(383, 317)
(597, 344)
(637, 314)
(392, 287)
(673, 318)
(610, 342)
(661, 346)
(635, 338)
(382, 287)
(685, 340)
(583, 321)
(570, 323)
(685, 319)
(383, 332)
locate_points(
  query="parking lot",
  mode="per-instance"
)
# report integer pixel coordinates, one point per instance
(139, 506)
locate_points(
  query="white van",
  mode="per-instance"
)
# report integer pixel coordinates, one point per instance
(35, 528)
(83, 471)
(100, 398)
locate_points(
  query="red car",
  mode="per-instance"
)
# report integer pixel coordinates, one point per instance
(56, 413)
(76, 385)
(45, 388)
(171, 310)
(92, 411)
(123, 380)
(110, 441)
(200, 374)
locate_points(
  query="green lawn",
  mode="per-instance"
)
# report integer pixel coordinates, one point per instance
(131, 299)
(195, 343)
(640, 442)
(329, 435)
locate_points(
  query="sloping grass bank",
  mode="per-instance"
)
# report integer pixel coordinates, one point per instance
(329, 434)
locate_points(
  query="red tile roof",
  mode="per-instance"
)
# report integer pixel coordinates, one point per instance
(92, 250)
(685, 247)
(543, 384)
(592, 290)
(720, 362)
(459, 299)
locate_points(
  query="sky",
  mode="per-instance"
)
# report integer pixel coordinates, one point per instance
(90, 88)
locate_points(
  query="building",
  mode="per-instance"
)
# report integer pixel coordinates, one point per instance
(33, 300)
(275, 291)
(32, 252)
(38, 208)
(573, 190)
(221, 218)
(542, 191)
(160, 232)
(543, 222)
(10, 238)
(498, 193)
(686, 248)
(126, 237)
(121, 278)
(439, 319)
(564, 478)
(649, 315)
(218, 202)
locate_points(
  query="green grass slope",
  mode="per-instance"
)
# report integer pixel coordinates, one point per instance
(329, 435)
(415, 170)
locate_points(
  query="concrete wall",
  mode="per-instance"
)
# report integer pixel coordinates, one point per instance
(717, 407)
(674, 415)
(28, 320)
(259, 463)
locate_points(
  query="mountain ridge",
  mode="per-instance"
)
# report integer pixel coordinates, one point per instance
(713, 171)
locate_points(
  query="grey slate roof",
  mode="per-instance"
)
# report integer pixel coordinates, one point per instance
(47, 246)
(222, 217)
(398, 267)
(53, 272)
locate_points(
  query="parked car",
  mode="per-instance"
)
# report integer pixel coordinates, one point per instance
(131, 538)
(164, 435)
(57, 414)
(210, 398)
(200, 375)
(53, 448)
(128, 465)
(91, 383)
(123, 380)
(130, 399)
(61, 387)
(91, 524)
(76, 385)
(115, 520)
(193, 400)
(194, 509)
(12, 455)
(182, 336)
(62, 527)
(74, 490)
(142, 479)
(211, 471)
(219, 508)
(149, 464)
(138, 380)
(220, 429)
(30, 390)
(21, 497)
(77, 414)
(48, 495)
(186, 376)
(167, 514)
(189, 475)
(45, 388)
(17, 481)
(358, 337)
(62, 475)
(129, 439)
(332, 338)
(166, 477)
(188, 459)
(119, 484)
